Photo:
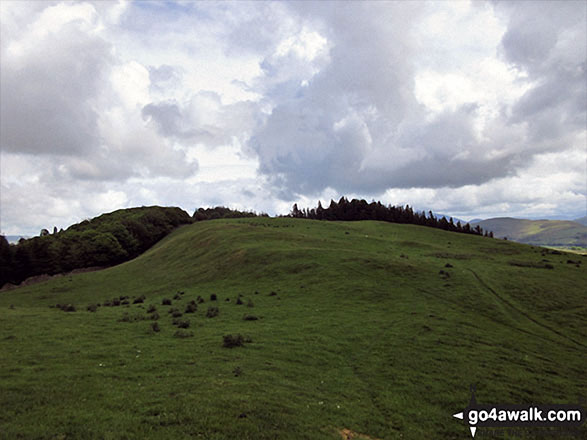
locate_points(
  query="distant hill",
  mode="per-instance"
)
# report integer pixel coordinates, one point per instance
(537, 232)
(582, 220)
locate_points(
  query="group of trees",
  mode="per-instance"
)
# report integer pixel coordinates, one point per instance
(361, 210)
(223, 212)
(103, 241)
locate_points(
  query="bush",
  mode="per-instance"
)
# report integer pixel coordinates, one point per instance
(239, 301)
(183, 334)
(230, 341)
(140, 299)
(176, 314)
(155, 316)
(166, 302)
(92, 308)
(200, 299)
(107, 303)
(177, 296)
(191, 308)
(213, 297)
(212, 312)
(155, 327)
(151, 309)
(250, 318)
(272, 294)
(115, 302)
(131, 318)
(124, 302)
(183, 324)
(64, 307)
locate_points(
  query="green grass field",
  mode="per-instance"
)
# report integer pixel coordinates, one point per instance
(363, 334)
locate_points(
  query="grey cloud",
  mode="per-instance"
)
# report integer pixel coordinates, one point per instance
(357, 127)
(48, 93)
(549, 42)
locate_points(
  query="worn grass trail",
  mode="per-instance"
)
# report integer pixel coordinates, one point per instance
(364, 333)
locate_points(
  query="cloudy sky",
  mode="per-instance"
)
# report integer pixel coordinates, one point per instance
(475, 109)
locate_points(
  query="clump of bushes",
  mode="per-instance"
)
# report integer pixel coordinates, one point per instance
(166, 302)
(139, 300)
(191, 307)
(64, 307)
(126, 317)
(176, 314)
(183, 334)
(181, 324)
(212, 312)
(92, 308)
(230, 341)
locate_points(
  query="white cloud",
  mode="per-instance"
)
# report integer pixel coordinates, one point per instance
(471, 108)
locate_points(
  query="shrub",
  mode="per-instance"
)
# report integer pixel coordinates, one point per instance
(66, 308)
(107, 304)
(212, 312)
(166, 302)
(213, 297)
(200, 299)
(124, 302)
(177, 296)
(227, 300)
(151, 309)
(230, 341)
(272, 293)
(183, 324)
(239, 301)
(191, 308)
(155, 327)
(92, 308)
(139, 300)
(250, 318)
(237, 371)
(448, 265)
(115, 302)
(155, 316)
(183, 334)
(176, 314)
(131, 318)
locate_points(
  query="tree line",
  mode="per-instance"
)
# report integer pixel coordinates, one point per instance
(103, 241)
(361, 210)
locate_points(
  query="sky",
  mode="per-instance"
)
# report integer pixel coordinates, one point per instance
(472, 109)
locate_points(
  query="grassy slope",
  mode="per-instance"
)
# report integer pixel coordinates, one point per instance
(538, 232)
(364, 333)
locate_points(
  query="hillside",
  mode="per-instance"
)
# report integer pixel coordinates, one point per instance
(538, 232)
(362, 327)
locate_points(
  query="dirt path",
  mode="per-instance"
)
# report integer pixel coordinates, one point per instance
(523, 313)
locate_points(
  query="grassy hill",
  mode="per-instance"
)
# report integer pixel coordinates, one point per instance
(363, 327)
(538, 232)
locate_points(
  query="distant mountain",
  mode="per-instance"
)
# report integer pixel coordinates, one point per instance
(537, 232)
(582, 220)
